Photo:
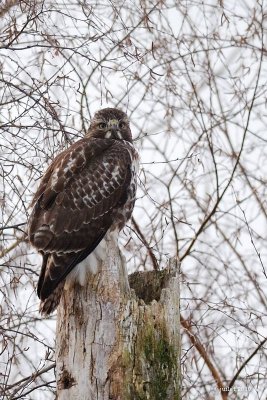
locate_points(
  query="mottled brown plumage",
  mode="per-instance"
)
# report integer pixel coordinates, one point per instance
(88, 190)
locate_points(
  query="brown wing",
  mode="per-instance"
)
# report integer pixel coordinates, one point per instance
(76, 204)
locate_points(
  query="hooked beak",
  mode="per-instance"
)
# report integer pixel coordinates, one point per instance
(114, 129)
(113, 124)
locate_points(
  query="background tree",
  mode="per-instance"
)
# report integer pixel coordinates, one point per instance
(192, 77)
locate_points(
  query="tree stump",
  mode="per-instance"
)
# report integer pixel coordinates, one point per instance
(110, 344)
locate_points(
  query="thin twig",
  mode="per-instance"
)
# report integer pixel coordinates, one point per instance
(2, 228)
(12, 247)
(203, 353)
(240, 369)
(150, 252)
(25, 381)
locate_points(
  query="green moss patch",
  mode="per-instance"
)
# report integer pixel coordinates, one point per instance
(154, 368)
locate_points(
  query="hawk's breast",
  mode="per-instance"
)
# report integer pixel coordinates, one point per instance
(125, 211)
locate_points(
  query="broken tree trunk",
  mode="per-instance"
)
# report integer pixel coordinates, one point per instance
(111, 344)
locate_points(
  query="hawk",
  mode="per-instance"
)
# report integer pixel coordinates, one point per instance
(87, 191)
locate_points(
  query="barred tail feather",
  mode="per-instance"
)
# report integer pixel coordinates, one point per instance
(49, 305)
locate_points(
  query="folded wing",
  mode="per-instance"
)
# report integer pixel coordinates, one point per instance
(76, 204)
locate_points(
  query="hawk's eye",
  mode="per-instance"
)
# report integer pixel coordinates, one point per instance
(102, 125)
(122, 125)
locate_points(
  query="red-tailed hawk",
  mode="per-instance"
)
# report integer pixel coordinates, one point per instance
(88, 190)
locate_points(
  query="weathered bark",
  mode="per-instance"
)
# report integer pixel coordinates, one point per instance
(111, 345)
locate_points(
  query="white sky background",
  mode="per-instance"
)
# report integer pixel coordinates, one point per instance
(186, 78)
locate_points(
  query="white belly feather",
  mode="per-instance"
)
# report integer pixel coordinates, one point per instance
(91, 264)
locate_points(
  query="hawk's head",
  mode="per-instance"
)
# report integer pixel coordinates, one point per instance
(110, 123)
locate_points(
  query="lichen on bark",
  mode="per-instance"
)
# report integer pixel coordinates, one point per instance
(155, 366)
